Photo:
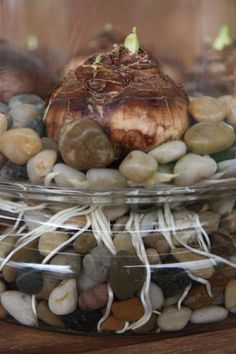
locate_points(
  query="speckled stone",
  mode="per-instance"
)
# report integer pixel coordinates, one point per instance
(126, 275)
(85, 243)
(82, 321)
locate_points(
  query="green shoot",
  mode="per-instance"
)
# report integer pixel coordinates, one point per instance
(131, 42)
(223, 38)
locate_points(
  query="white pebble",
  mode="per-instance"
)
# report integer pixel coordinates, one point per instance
(207, 108)
(35, 218)
(3, 123)
(156, 296)
(168, 152)
(101, 178)
(67, 175)
(23, 114)
(209, 314)
(63, 299)
(193, 168)
(19, 306)
(40, 165)
(138, 166)
(173, 319)
(114, 212)
(228, 167)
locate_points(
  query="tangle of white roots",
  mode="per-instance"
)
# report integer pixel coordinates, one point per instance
(101, 227)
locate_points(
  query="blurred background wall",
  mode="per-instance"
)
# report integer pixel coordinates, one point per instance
(175, 28)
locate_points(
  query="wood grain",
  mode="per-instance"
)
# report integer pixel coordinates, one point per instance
(217, 338)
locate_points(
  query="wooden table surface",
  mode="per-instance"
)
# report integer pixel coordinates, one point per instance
(217, 338)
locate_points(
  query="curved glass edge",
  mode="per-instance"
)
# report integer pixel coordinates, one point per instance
(162, 194)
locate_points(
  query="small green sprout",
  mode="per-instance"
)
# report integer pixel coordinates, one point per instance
(223, 38)
(131, 42)
(98, 59)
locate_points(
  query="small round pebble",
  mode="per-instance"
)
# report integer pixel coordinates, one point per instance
(138, 166)
(97, 264)
(67, 175)
(85, 243)
(148, 327)
(40, 165)
(49, 144)
(29, 280)
(168, 152)
(102, 178)
(3, 123)
(172, 319)
(153, 256)
(49, 283)
(148, 223)
(112, 324)
(23, 114)
(113, 212)
(12, 170)
(130, 310)
(20, 144)
(84, 282)
(44, 314)
(156, 296)
(19, 306)
(208, 109)
(63, 299)
(209, 314)
(209, 137)
(228, 167)
(28, 99)
(51, 240)
(158, 242)
(65, 265)
(123, 242)
(94, 298)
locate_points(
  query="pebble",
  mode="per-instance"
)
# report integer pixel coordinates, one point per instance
(172, 281)
(97, 264)
(198, 265)
(40, 165)
(3, 312)
(63, 299)
(38, 126)
(223, 206)
(20, 144)
(228, 167)
(173, 319)
(29, 280)
(227, 154)
(3, 161)
(114, 212)
(105, 178)
(184, 226)
(172, 300)
(123, 242)
(126, 275)
(35, 218)
(138, 166)
(153, 256)
(230, 295)
(210, 221)
(67, 175)
(28, 99)
(84, 282)
(51, 240)
(228, 223)
(3, 123)
(156, 296)
(84, 321)
(19, 306)
(6, 246)
(194, 168)
(65, 265)
(49, 144)
(148, 223)
(49, 283)
(130, 310)
(119, 225)
(2, 287)
(23, 114)
(75, 222)
(207, 109)
(209, 314)
(4, 108)
(209, 137)
(12, 170)
(158, 242)
(93, 299)
(44, 314)
(85, 243)
(112, 324)
(168, 152)
(84, 145)
(148, 327)
(231, 118)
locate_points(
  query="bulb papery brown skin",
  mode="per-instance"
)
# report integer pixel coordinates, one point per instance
(127, 95)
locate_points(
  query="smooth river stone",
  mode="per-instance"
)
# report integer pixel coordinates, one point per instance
(65, 265)
(94, 298)
(97, 264)
(28, 99)
(148, 327)
(209, 137)
(102, 178)
(3, 123)
(198, 265)
(156, 296)
(19, 306)
(230, 295)
(127, 275)
(158, 242)
(153, 256)
(63, 299)
(207, 109)
(51, 240)
(193, 168)
(29, 280)
(209, 314)
(148, 223)
(138, 166)
(23, 114)
(40, 165)
(35, 218)
(130, 310)
(45, 315)
(228, 167)
(112, 324)
(84, 282)
(6, 246)
(20, 144)
(113, 212)
(123, 242)
(172, 319)
(85, 243)
(168, 152)
(66, 175)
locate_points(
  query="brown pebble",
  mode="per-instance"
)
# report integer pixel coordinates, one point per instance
(45, 315)
(49, 283)
(157, 241)
(111, 324)
(147, 327)
(94, 298)
(3, 312)
(130, 310)
(85, 243)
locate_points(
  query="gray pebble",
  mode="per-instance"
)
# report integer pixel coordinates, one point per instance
(209, 314)
(38, 126)
(27, 98)
(23, 115)
(65, 265)
(97, 264)
(229, 167)
(12, 170)
(84, 282)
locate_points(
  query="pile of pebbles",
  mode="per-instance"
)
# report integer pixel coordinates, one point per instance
(105, 269)
(206, 152)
